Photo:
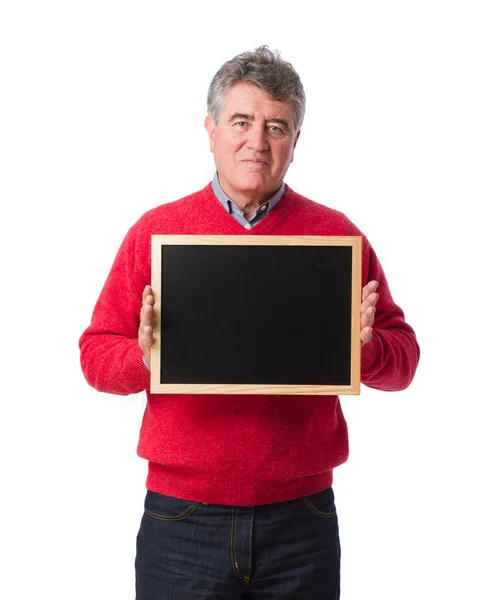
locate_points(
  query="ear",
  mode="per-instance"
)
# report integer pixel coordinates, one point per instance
(210, 127)
(295, 142)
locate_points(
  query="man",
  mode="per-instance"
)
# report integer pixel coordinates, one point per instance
(239, 501)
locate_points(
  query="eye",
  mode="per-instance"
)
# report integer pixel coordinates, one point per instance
(276, 131)
(241, 124)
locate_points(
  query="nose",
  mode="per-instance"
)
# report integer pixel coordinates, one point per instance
(257, 138)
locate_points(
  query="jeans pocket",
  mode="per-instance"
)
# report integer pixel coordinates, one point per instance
(167, 508)
(321, 504)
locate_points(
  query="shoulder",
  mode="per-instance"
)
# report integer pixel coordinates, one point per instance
(171, 216)
(325, 217)
(176, 208)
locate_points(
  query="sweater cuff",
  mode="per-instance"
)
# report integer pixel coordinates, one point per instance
(135, 372)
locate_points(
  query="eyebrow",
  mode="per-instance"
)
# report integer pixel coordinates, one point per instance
(247, 117)
(241, 116)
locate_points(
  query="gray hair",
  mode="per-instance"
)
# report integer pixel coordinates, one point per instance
(266, 69)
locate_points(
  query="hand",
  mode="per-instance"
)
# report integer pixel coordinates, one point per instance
(145, 333)
(369, 301)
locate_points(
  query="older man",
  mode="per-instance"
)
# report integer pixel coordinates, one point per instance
(239, 501)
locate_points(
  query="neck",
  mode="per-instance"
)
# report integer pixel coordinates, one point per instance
(246, 202)
(249, 207)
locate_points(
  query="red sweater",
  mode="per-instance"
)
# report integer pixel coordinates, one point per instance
(234, 449)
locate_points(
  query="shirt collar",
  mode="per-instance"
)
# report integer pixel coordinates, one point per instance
(232, 207)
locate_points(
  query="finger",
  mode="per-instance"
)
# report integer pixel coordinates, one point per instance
(146, 315)
(147, 296)
(366, 335)
(145, 332)
(147, 291)
(148, 303)
(145, 339)
(147, 335)
(366, 326)
(369, 302)
(368, 317)
(370, 288)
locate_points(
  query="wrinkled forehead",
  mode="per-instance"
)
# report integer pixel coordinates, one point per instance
(250, 99)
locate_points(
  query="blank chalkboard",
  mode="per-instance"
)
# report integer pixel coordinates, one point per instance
(256, 314)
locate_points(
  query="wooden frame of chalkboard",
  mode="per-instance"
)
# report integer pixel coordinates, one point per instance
(256, 314)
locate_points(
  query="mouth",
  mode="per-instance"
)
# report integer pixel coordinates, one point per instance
(254, 161)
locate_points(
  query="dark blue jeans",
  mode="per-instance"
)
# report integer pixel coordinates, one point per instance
(189, 550)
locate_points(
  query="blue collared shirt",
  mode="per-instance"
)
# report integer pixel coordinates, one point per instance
(237, 213)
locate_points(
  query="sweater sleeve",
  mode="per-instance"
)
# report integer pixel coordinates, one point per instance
(390, 359)
(111, 358)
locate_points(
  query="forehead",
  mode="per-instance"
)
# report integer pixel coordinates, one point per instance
(250, 99)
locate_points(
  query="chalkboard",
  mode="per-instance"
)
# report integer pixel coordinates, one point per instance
(256, 314)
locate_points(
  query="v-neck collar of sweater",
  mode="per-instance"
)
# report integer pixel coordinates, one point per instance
(234, 226)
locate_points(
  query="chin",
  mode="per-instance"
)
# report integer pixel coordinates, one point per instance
(255, 181)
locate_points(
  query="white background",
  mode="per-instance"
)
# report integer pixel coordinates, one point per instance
(101, 114)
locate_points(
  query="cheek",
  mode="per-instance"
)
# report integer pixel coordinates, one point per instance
(285, 156)
(230, 148)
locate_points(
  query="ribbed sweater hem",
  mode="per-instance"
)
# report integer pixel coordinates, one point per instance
(231, 490)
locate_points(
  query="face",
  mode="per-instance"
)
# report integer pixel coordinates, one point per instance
(253, 142)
